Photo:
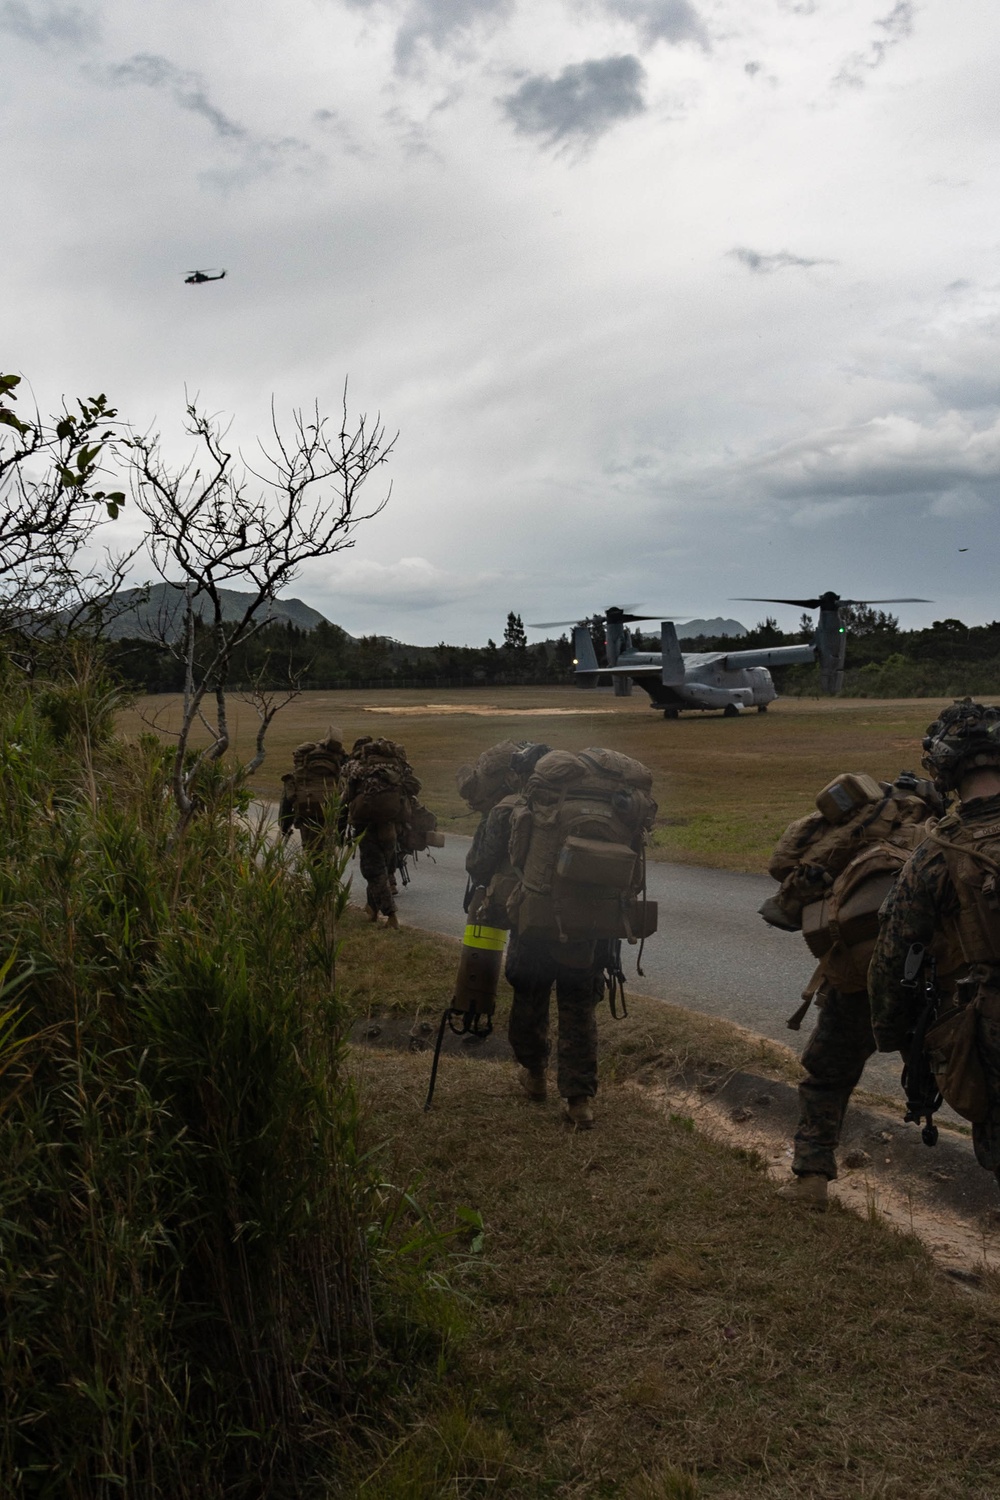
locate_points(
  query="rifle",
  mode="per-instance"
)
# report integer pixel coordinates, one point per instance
(612, 976)
(923, 1097)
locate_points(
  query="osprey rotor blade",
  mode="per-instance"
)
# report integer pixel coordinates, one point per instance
(816, 603)
(549, 624)
(623, 615)
(629, 618)
(802, 603)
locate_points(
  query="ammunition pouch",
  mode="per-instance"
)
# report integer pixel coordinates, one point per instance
(952, 1047)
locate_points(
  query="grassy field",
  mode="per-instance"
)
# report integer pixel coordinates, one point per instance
(726, 787)
(644, 1320)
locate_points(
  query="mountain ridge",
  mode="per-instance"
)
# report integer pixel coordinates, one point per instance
(155, 613)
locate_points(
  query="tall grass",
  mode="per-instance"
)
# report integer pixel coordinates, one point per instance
(186, 1229)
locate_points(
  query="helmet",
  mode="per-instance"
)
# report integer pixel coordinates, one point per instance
(909, 784)
(965, 736)
(525, 759)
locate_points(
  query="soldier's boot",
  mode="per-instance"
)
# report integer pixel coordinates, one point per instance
(579, 1112)
(392, 921)
(371, 913)
(534, 1082)
(810, 1189)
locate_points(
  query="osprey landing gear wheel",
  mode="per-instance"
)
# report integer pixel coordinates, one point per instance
(671, 713)
(730, 711)
(762, 708)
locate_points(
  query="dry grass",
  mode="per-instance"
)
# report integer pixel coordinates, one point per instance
(409, 974)
(726, 788)
(647, 1320)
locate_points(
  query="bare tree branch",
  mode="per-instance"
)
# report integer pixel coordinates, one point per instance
(217, 522)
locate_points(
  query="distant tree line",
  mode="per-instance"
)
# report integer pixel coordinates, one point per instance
(327, 657)
(948, 658)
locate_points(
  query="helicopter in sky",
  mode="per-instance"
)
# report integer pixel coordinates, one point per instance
(831, 632)
(195, 278)
(730, 680)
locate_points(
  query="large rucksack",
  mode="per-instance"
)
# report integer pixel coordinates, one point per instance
(484, 783)
(854, 812)
(836, 866)
(487, 904)
(380, 785)
(577, 848)
(969, 936)
(419, 831)
(842, 926)
(315, 777)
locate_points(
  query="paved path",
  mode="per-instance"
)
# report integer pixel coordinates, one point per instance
(712, 952)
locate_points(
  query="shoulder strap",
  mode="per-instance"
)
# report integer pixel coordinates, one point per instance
(974, 851)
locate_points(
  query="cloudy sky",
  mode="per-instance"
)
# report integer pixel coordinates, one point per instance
(670, 300)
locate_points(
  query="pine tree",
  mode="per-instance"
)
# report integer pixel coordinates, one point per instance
(514, 637)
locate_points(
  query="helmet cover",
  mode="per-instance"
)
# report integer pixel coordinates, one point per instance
(963, 737)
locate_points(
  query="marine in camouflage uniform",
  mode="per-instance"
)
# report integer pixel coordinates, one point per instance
(534, 967)
(379, 841)
(377, 858)
(833, 1059)
(963, 748)
(307, 788)
(841, 1043)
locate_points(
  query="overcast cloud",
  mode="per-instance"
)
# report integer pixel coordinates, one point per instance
(662, 20)
(889, 30)
(45, 23)
(670, 300)
(764, 264)
(585, 100)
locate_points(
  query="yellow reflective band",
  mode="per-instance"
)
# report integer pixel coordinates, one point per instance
(492, 938)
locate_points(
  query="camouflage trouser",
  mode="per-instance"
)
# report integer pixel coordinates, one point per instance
(312, 831)
(834, 1060)
(377, 856)
(532, 969)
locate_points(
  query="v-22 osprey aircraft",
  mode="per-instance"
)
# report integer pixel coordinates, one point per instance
(728, 680)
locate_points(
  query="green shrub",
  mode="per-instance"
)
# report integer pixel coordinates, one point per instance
(187, 1233)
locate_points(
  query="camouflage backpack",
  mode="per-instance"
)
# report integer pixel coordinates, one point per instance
(966, 951)
(853, 813)
(483, 784)
(419, 832)
(380, 784)
(837, 866)
(577, 844)
(315, 778)
(841, 928)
